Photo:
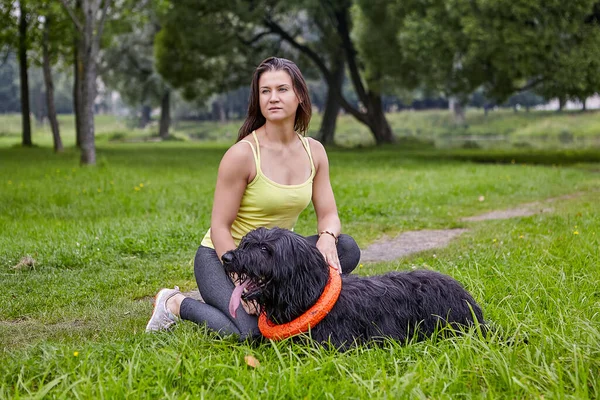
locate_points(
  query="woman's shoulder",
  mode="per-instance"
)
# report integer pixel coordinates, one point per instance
(238, 156)
(242, 149)
(317, 149)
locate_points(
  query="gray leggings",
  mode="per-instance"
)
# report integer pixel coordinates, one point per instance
(216, 288)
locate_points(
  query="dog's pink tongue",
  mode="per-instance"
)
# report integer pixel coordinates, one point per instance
(236, 297)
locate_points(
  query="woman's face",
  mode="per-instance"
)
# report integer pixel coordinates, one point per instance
(278, 101)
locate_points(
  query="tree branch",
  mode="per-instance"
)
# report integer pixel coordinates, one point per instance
(102, 19)
(255, 39)
(530, 85)
(276, 28)
(72, 15)
(348, 107)
(344, 31)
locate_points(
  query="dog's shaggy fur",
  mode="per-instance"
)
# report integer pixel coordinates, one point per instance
(286, 275)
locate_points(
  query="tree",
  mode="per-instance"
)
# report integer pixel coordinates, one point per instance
(23, 65)
(197, 51)
(575, 71)
(15, 20)
(89, 29)
(77, 50)
(41, 31)
(457, 46)
(52, 45)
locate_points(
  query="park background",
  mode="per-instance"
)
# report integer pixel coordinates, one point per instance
(114, 116)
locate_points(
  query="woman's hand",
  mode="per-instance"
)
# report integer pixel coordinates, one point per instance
(327, 247)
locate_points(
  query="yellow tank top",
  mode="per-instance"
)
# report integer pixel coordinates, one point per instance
(269, 204)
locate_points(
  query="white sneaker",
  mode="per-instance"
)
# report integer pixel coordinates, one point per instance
(162, 318)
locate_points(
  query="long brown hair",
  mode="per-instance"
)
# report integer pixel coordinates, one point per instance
(255, 119)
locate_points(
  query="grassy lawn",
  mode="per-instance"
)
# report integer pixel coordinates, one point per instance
(105, 239)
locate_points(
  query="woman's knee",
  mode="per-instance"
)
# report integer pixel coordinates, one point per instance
(349, 252)
(205, 257)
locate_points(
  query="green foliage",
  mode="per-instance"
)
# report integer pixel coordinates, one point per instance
(198, 47)
(128, 64)
(574, 70)
(128, 67)
(458, 46)
(51, 16)
(105, 239)
(8, 33)
(39, 13)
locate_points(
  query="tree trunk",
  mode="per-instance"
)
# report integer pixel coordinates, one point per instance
(371, 100)
(222, 109)
(456, 105)
(332, 104)
(218, 109)
(78, 51)
(88, 145)
(77, 93)
(377, 121)
(374, 118)
(145, 117)
(584, 106)
(165, 114)
(25, 111)
(562, 101)
(38, 113)
(58, 146)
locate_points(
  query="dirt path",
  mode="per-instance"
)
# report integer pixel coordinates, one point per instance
(524, 210)
(411, 242)
(386, 249)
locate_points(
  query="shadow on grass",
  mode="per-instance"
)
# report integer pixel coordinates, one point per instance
(425, 151)
(516, 156)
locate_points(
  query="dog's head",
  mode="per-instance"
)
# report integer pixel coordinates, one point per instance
(280, 269)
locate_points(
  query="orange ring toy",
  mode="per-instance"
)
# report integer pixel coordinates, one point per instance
(310, 318)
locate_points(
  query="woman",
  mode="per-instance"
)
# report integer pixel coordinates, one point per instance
(266, 179)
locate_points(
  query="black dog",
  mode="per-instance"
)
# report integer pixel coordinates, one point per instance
(286, 275)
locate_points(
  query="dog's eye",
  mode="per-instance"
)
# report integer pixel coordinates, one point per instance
(264, 249)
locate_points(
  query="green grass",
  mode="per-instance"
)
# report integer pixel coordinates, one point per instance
(106, 238)
(535, 129)
(500, 128)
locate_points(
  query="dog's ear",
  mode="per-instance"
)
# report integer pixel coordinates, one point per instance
(296, 250)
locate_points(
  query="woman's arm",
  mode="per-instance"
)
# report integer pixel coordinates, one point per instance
(328, 221)
(233, 177)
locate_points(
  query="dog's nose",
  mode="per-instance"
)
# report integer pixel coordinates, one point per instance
(227, 258)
